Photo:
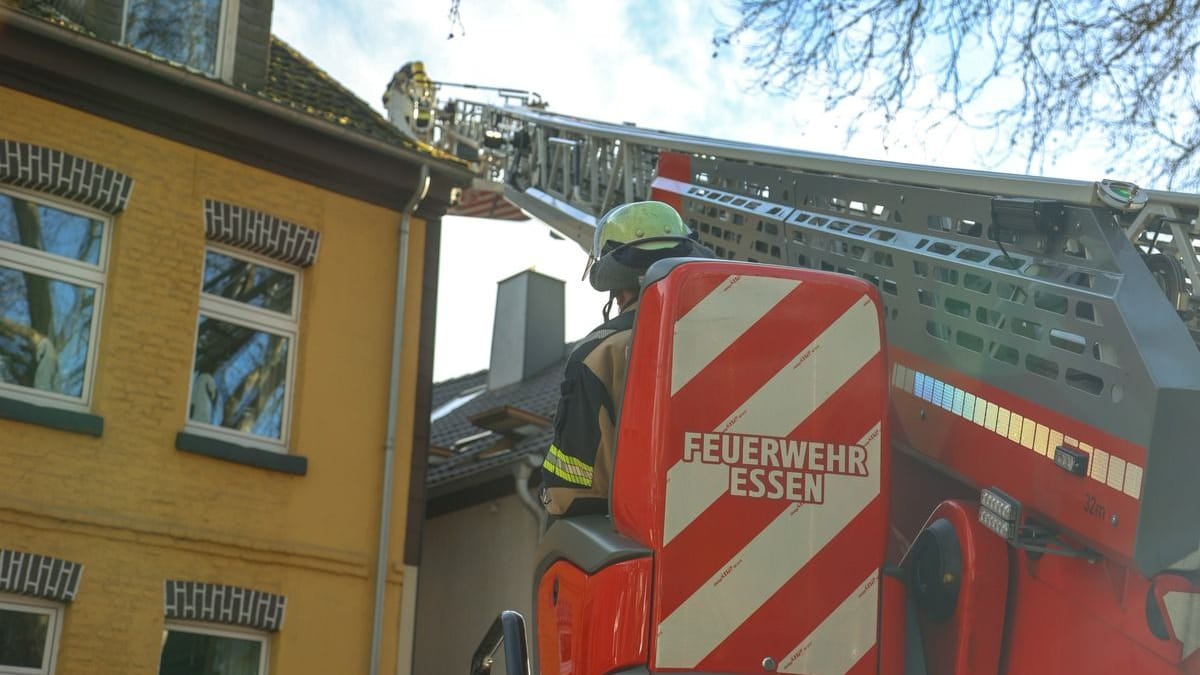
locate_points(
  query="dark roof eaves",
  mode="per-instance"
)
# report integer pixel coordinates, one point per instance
(470, 480)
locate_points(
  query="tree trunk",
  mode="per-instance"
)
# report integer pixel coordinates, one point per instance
(37, 288)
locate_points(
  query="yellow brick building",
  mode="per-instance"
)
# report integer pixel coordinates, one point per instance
(198, 292)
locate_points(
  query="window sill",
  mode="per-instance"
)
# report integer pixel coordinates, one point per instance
(241, 454)
(54, 418)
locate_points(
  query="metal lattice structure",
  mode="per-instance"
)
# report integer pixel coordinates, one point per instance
(1078, 297)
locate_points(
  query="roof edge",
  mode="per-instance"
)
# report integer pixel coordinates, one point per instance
(179, 76)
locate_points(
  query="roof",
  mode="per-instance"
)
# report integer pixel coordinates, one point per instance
(296, 82)
(537, 395)
(292, 81)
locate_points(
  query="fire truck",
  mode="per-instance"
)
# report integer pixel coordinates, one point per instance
(909, 420)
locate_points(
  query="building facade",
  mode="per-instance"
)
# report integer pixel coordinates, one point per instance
(490, 431)
(201, 264)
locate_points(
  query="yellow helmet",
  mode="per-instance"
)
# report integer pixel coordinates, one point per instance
(633, 236)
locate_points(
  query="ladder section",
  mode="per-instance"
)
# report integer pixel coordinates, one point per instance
(574, 169)
(1069, 307)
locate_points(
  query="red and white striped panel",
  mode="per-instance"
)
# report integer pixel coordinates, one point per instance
(476, 203)
(773, 526)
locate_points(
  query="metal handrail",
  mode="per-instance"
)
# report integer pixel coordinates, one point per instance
(507, 631)
(967, 180)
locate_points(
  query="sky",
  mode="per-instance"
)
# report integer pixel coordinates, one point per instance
(649, 63)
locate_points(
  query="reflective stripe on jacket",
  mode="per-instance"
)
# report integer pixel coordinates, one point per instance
(578, 465)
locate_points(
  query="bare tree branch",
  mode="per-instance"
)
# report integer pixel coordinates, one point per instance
(455, 16)
(1039, 74)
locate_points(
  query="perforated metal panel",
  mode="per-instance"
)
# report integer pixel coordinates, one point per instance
(1073, 323)
(1022, 319)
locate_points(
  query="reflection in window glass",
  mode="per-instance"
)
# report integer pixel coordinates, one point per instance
(23, 638)
(45, 327)
(245, 344)
(51, 280)
(189, 653)
(247, 282)
(184, 31)
(44, 228)
(241, 378)
(28, 635)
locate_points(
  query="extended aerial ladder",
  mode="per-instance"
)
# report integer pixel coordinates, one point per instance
(1042, 355)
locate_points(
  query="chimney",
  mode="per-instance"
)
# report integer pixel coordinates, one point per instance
(527, 335)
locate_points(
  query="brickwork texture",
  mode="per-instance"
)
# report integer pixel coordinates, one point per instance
(39, 576)
(135, 512)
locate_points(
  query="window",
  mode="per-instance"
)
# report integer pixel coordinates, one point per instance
(52, 264)
(189, 32)
(245, 349)
(29, 631)
(189, 649)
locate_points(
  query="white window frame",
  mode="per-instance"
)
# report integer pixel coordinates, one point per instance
(255, 318)
(226, 38)
(24, 259)
(30, 605)
(234, 632)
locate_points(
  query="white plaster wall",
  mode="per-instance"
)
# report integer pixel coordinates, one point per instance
(474, 563)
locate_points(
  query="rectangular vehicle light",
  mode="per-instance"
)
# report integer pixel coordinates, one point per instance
(1071, 460)
(999, 513)
(1005, 507)
(1006, 530)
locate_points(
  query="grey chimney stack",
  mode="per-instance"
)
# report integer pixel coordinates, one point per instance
(528, 333)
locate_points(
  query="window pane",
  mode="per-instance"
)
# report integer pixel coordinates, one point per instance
(45, 325)
(23, 638)
(199, 654)
(247, 282)
(184, 31)
(27, 223)
(240, 378)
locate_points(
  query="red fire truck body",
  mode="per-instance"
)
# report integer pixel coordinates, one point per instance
(912, 420)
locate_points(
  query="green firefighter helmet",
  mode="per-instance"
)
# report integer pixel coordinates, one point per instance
(633, 236)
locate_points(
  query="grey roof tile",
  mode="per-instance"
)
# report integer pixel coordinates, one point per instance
(444, 392)
(538, 395)
(296, 82)
(293, 81)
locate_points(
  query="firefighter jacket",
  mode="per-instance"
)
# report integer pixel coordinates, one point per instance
(578, 465)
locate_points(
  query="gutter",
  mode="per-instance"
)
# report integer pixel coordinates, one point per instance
(522, 473)
(389, 444)
(447, 166)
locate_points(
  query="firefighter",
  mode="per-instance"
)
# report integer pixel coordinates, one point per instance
(578, 465)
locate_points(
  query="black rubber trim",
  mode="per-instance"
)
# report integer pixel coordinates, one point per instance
(935, 570)
(588, 542)
(54, 418)
(240, 454)
(914, 643)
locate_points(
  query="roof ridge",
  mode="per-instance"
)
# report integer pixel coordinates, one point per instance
(464, 376)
